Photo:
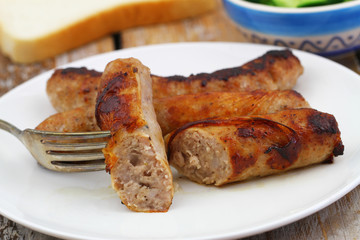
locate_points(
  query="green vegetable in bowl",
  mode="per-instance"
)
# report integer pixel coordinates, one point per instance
(297, 3)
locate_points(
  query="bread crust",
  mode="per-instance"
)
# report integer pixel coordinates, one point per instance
(92, 27)
(254, 146)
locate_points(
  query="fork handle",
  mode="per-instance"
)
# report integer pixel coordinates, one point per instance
(10, 128)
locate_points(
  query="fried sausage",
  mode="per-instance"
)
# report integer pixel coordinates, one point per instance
(135, 154)
(220, 151)
(276, 70)
(71, 88)
(171, 115)
(80, 119)
(173, 112)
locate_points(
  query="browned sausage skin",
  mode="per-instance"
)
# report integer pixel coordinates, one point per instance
(171, 115)
(71, 88)
(276, 70)
(135, 154)
(173, 112)
(80, 119)
(220, 151)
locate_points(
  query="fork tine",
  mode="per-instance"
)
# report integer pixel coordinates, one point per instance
(57, 136)
(75, 157)
(70, 167)
(57, 146)
(64, 152)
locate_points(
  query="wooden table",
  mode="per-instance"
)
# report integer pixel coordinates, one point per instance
(341, 220)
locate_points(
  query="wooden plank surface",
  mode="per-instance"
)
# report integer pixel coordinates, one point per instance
(341, 220)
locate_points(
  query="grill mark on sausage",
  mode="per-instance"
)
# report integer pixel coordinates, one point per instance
(204, 78)
(279, 54)
(81, 71)
(115, 106)
(245, 132)
(322, 124)
(240, 163)
(283, 153)
(329, 160)
(338, 149)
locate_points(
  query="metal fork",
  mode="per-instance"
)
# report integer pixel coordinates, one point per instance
(63, 152)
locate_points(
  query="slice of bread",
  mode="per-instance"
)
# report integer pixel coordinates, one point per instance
(32, 30)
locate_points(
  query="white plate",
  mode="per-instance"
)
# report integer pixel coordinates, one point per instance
(84, 206)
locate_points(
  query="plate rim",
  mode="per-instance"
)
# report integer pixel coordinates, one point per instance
(255, 230)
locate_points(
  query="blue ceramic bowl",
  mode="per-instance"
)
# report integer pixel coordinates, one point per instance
(325, 30)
